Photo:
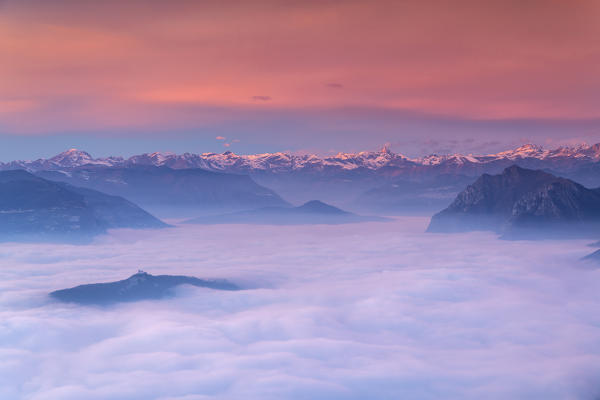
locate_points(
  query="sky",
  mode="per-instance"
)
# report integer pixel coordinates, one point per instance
(372, 310)
(125, 77)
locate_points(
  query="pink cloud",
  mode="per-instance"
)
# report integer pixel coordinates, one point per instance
(78, 62)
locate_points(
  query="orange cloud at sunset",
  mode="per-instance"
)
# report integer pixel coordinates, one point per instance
(66, 64)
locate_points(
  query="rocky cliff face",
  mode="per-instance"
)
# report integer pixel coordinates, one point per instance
(523, 203)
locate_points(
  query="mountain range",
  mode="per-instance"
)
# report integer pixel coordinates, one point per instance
(523, 203)
(32, 208)
(171, 192)
(368, 181)
(285, 162)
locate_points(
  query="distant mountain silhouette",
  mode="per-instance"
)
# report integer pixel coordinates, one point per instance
(426, 194)
(523, 203)
(595, 257)
(318, 207)
(312, 212)
(32, 208)
(172, 191)
(140, 286)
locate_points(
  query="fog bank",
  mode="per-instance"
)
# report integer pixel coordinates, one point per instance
(370, 310)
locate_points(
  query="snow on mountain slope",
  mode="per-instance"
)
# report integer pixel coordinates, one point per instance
(67, 159)
(528, 150)
(284, 162)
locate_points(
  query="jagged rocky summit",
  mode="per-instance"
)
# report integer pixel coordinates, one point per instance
(523, 203)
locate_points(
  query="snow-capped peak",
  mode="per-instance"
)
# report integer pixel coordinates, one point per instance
(285, 162)
(71, 158)
(524, 151)
(72, 154)
(386, 150)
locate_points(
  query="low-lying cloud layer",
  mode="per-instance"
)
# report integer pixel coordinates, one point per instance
(373, 310)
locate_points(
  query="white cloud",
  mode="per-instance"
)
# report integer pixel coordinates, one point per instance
(376, 310)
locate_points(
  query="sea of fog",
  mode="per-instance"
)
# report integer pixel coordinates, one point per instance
(361, 311)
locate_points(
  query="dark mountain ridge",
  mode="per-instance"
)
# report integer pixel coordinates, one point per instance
(172, 191)
(140, 286)
(523, 203)
(32, 208)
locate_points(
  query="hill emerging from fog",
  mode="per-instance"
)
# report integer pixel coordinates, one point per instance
(523, 203)
(312, 212)
(32, 208)
(140, 286)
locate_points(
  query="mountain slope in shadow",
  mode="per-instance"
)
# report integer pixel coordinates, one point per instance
(32, 209)
(523, 204)
(172, 192)
(312, 212)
